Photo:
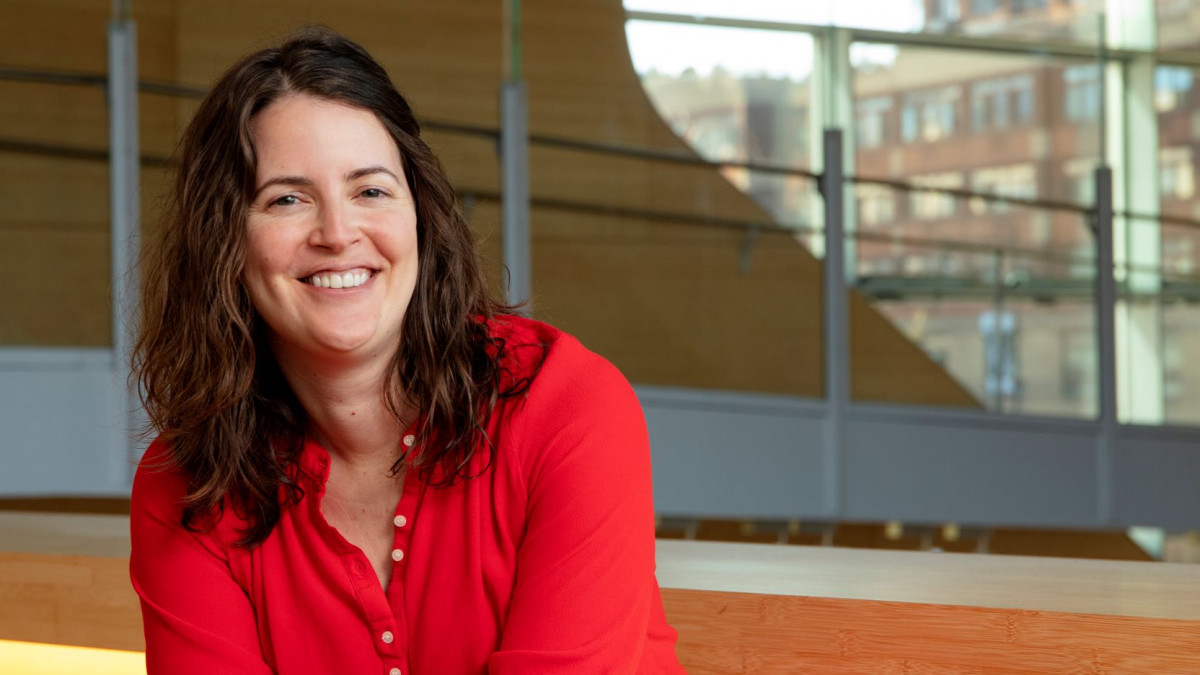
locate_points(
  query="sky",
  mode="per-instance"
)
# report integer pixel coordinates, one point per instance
(673, 48)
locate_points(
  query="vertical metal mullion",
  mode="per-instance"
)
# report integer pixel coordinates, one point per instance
(837, 326)
(124, 214)
(514, 172)
(1106, 342)
(514, 166)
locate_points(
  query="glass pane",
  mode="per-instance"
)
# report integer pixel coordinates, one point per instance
(735, 100)
(743, 97)
(1177, 102)
(998, 297)
(1044, 20)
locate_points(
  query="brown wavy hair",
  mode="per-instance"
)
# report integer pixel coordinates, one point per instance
(207, 378)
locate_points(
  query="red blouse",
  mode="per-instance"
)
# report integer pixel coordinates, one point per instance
(543, 564)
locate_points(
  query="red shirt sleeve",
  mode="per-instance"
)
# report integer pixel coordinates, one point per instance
(585, 598)
(197, 618)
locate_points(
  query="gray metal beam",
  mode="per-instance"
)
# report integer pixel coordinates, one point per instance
(837, 323)
(514, 164)
(514, 185)
(1106, 340)
(125, 212)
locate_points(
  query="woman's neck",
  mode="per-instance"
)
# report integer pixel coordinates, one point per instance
(346, 410)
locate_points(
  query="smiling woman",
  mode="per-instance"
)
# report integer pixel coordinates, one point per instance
(364, 463)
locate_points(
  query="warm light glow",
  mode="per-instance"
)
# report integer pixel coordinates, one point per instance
(35, 658)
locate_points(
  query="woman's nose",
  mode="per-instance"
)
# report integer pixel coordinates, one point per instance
(333, 229)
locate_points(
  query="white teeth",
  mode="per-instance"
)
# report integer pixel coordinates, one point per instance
(343, 280)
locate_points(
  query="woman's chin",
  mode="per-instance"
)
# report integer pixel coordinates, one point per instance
(342, 347)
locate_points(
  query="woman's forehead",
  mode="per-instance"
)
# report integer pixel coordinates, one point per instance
(305, 132)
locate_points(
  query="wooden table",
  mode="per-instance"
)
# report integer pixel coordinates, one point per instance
(742, 608)
(759, 608)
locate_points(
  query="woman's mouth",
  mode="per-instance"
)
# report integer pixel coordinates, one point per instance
(348, 279)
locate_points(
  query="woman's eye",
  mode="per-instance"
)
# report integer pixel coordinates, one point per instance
(373, 193)
(286, 200)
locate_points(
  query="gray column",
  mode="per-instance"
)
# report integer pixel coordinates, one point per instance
(836, 322)
(124, 214)
(514, 163)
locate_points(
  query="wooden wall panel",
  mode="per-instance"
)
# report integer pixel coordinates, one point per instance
(55, 289)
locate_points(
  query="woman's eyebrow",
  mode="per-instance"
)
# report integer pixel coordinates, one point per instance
(368, 170)
(283, 180)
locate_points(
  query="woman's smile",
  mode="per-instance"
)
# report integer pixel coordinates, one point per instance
(353, 278)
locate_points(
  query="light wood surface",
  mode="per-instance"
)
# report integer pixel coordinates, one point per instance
(742, 608)
(763, 609)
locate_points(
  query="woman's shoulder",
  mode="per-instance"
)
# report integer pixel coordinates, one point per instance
(553, 361)
(158, 484)
(572, 392)
(160, 493)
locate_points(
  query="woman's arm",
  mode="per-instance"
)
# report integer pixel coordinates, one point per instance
(586, 599)
(197, 619)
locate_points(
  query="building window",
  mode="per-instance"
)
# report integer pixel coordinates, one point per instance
(876, 204)
(1081, 100)
(1002, 102)
(1016, 180)
(1176, 179)
(932, 205)
(871, 130)
(929, 115)
(1171, 85)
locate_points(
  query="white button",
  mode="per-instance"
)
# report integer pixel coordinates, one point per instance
(400, 521)
(387, 637)
(397, 555)
(409, 439)
(394, 671)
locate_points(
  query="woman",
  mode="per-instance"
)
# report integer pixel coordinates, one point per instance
(365, 465)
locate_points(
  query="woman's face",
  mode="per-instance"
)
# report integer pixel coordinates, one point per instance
(332, 257)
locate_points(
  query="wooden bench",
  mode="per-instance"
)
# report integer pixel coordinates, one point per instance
(741, 608)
